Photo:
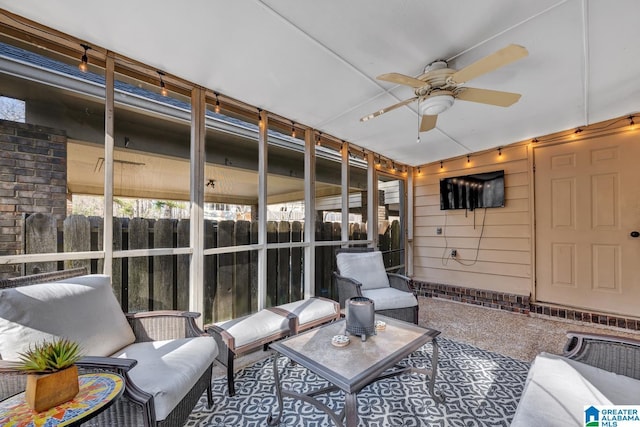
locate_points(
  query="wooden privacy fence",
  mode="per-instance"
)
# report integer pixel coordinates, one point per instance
(230, 284)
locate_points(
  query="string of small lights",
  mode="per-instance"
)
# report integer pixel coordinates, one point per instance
(624, 123)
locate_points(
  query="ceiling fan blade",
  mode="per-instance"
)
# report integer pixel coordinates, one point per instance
(498, 59)
(401, 79)
(428, 123)
(387, 109)
(486, 96)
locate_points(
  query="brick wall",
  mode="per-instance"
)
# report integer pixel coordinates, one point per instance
(499, 300)
(33, 179)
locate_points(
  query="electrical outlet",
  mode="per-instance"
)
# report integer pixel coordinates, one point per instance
(439, 230)
(454, 253)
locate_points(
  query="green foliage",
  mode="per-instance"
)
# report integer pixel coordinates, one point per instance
(126, 206)
(50, 356)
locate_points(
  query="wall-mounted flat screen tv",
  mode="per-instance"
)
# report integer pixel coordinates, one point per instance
(480, 190)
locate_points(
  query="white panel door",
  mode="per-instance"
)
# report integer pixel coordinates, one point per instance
(587, 197)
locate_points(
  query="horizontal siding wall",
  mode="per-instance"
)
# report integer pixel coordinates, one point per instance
(504, 257)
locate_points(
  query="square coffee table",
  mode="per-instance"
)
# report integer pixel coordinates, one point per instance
(354, 366)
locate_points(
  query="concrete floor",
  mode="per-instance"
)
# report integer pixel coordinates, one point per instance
(511, 334)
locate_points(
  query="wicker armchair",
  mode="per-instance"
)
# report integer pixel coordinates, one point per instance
(359, 268)
(136, 407)
(613, 354)
(594, 370)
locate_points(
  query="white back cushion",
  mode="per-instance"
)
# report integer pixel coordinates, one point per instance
(365, 267)
(82, 309)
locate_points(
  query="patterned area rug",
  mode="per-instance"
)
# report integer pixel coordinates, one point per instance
(481, 389)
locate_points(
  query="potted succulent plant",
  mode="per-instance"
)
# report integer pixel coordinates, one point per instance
(52, 376)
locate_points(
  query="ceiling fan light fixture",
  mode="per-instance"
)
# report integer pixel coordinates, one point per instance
(436, 104)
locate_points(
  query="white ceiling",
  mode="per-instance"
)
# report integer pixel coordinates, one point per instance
(316, 62)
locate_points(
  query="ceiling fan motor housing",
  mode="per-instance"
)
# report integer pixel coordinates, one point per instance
(436, 65)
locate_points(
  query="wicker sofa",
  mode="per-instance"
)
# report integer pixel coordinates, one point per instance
(361, 272)
(595, 370)
(165, 359)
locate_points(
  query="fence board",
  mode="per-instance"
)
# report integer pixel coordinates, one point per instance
(395, 243)
(210, 272)
(297, 261)
(331, 260)
(41, 236)
(242, 301)
(117, 271)
(225, 289)
(354, 231)
(317, 279)
(182, 267)
(384, 243)
(272, 266)
(253, 268)
(284, 257)
(76, 237)
(138, 274)
(163, 266)
(324, 278)
(97, 236)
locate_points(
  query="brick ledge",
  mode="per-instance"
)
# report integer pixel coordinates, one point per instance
(498, 300)
(519, 304)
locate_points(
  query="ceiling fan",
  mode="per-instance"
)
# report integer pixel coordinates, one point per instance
(438, 87)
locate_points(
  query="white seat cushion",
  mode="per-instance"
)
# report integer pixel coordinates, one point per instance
(365, 267)
(255, 327)
(82, 309)
(309, 310)
(558, 389)
(169, 369)
(390, 298)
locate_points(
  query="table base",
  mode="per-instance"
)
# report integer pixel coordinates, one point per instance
(350, 412)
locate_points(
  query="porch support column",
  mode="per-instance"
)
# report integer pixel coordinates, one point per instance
(309, 212)
(262, 208)
(345, 192)
(372, 201)
(107, 235)
(409, 214)
(196, 221)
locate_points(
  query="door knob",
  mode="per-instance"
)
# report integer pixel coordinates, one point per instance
(635, 234)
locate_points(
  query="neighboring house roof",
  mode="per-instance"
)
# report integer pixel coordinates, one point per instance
(51, 65)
